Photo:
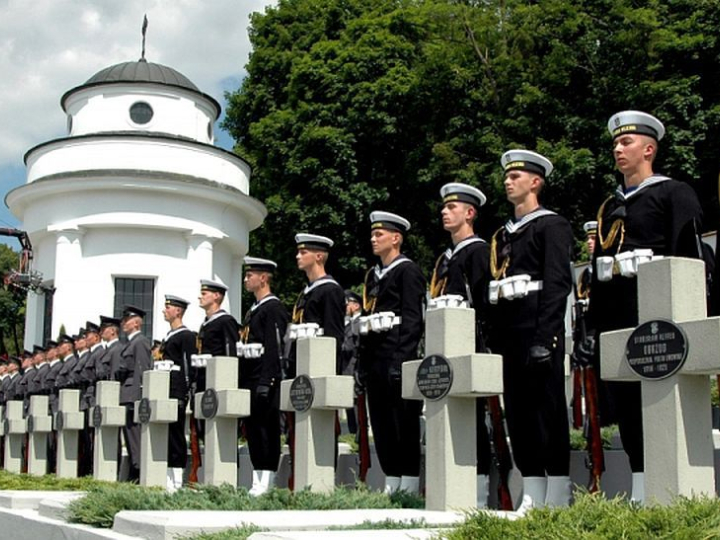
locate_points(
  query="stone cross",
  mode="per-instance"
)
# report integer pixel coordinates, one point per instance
(220, 405)
(14, 427)
(154, 412)
(677, 426)
(107, 417)
(314, 395)
(450, 451)
(39, 425)
(68, 422)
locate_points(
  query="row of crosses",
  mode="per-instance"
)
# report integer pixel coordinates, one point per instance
(676, 408)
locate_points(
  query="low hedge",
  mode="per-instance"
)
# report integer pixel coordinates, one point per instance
(99, 506)
(593, 517)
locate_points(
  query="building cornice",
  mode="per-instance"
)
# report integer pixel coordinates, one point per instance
(135, 135)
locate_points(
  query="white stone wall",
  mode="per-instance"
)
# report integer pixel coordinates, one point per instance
(132, 154)
(107, 108)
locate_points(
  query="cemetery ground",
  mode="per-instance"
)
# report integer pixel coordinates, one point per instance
(590, 517)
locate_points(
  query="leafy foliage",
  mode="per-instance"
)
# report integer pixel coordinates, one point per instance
(99, 506)
(356, 105)
(593, 517)
(12, 306)
(49, 482)
(579, 442)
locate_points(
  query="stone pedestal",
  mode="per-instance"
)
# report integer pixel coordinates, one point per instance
(154, 412)
(676, 410)
(15, 429)
(68, 422)
(314, 396)
(220, 405)
(39, 425)
(462, 376)
(107, 417)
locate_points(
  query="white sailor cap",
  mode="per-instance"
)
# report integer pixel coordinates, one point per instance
(259, 265)
(525, 160)
(388, 221)
(636, 122)
(172, 300)
(214, 286)
(590, 227)
(463, 193)
(313, 241)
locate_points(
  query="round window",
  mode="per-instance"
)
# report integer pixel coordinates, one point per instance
(141, 112)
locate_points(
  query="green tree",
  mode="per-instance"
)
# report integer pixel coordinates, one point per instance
(355, 105)
(12, 306)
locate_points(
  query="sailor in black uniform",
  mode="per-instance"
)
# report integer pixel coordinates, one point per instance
(218, 334)
(647, 212)
(530, 266)
(322, 301)
(464, 270)
(260, 354)
(178, 347)
(394, 285)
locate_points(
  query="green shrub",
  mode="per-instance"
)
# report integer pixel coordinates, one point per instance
(578, 441)
(49, 482)
(593, 518)
(100, 505)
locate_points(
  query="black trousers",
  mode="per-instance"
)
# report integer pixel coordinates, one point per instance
(131, 433)
(262, 430)
(626, 398)
(535, 407)
(396, 425)
(177, 443)
(482, 438)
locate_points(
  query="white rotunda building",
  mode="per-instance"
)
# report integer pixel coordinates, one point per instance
(134, 203)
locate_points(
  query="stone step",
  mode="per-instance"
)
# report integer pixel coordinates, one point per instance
(30, 500)
(27, 524)
(166, 525)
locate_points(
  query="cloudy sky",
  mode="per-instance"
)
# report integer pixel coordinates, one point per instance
(50, 46)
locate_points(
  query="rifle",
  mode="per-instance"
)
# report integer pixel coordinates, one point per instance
(579, 333)
(578, 373)
(363, 438)
(502, 453)
(595, 460)
(290, 425)
(196, 460)
(596, 456)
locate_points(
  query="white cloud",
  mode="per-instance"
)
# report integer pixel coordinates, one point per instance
(50, 46)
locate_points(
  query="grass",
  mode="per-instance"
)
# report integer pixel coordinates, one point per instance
(593, 518)
(238, 533)
(49, 482)
(100, 505)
